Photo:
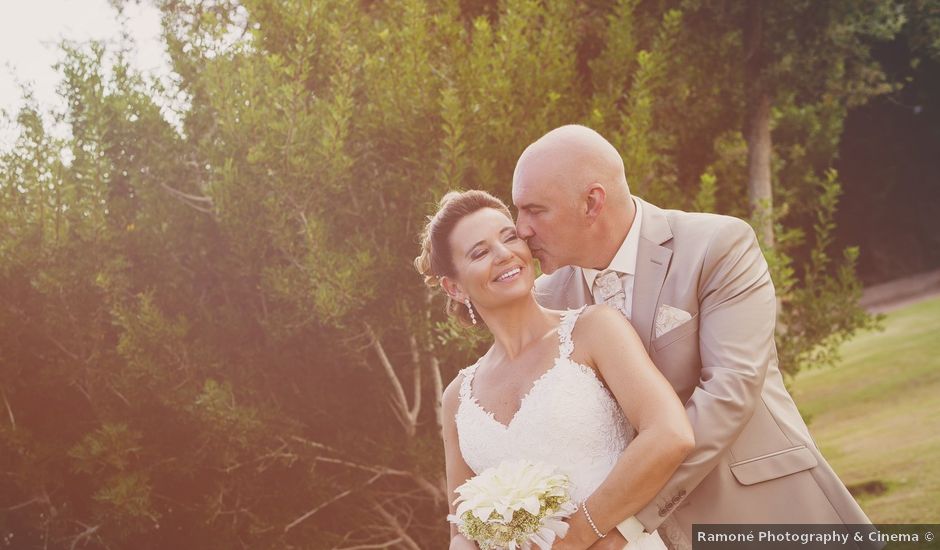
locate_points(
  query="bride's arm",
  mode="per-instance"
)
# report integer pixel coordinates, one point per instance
(606, 341)
(456, 469)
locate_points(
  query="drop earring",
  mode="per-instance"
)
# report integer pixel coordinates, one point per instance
(473, 317)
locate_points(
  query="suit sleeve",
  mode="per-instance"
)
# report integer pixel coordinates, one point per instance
(736, 343)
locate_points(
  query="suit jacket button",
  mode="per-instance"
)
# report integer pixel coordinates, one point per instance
(662, 513)
(669, 505)
(676, 499)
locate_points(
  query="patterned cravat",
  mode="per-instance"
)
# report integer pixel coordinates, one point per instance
(608, 288)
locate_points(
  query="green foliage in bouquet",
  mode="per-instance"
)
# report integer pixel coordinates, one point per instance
(495, 534)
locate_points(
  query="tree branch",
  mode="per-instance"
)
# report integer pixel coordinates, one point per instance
(434, 491)
(323, 505)
(396, 526)
(314, 444)
(416, 366)
(399, 401)
(188, 199)
(23, 504)
(436, 381)
(9, 410)
(187, 196)
(87, 533)
(119, 394)
(385, 544)
(63, 349)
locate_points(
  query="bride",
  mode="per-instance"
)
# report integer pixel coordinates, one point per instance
(575, 389)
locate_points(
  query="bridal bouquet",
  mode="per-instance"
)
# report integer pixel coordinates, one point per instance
(513, 506)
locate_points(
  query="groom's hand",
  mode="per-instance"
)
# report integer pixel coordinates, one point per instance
(613, 541)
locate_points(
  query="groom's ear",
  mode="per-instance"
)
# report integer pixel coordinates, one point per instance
(595, 201)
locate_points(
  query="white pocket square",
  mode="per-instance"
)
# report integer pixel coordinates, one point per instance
(669, 318)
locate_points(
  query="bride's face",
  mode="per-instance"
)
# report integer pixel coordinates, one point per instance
(493, 265)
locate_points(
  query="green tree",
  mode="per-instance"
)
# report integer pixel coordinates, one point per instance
(212, 336)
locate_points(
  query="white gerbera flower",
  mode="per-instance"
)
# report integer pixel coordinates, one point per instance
(514, 505)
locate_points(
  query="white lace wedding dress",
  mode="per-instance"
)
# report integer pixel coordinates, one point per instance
(568, 419)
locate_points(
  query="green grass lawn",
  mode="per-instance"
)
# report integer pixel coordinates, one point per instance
(876, 415)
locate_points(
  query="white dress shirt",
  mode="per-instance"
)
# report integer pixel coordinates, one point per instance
(624, 262)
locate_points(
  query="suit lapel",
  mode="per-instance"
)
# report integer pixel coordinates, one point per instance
(578, 291)
(652, 263)
(563, 289)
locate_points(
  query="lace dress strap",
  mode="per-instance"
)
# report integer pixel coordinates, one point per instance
(467, 372)
(565, 328)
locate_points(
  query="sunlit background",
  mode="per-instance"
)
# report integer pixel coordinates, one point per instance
(211, 333)
(31, 31)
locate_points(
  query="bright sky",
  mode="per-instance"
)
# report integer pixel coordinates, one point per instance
(30, 31)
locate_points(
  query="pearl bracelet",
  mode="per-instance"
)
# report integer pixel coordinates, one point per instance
(591, 521)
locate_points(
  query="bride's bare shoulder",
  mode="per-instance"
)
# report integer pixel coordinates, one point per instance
(595, 314)
(453, 389)
(599, 322)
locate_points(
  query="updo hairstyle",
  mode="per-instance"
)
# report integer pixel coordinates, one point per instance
(436, 259)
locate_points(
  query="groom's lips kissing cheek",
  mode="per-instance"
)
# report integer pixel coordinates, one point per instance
(534, 248)
(539, 254)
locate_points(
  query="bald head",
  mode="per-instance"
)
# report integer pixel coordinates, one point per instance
(572, 158)
(570, 189)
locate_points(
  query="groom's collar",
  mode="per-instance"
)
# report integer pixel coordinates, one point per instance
(655, 226)
(624, 260)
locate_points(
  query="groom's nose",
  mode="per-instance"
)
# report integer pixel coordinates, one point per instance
(523, 228)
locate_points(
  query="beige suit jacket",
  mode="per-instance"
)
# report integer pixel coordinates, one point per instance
(754, 460)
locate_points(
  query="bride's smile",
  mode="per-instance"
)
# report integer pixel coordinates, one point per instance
(509, 274)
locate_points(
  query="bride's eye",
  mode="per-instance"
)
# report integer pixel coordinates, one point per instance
(477, 254)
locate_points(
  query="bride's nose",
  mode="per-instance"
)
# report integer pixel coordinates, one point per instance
(502, 253)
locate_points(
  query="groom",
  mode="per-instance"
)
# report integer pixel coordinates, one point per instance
(698, 292)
